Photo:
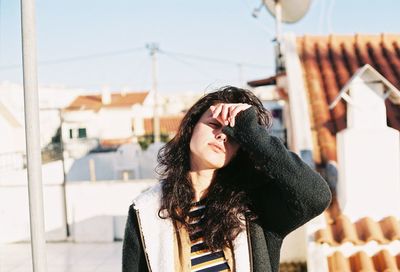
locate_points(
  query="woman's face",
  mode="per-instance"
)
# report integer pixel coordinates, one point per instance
(210, 148)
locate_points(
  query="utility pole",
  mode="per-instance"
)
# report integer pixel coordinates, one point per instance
(64, 173)
(63, 186)
(153, 48)
(32, 132)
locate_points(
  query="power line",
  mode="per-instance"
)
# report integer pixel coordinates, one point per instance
(215, 60)
(207, 75)
(79, 58)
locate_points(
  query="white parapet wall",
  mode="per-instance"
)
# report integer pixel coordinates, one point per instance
(96, 211)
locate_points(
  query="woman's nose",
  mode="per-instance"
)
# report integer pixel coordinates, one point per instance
(221, 137)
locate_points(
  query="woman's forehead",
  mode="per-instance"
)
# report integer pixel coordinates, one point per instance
(206, 114)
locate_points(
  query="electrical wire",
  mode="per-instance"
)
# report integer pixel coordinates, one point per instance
(215, 60)
(79, 58)
(171, 56)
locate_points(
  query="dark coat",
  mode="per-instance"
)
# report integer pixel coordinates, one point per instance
(285, 194)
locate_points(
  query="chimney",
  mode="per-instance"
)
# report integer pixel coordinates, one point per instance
(105, 96)
(368, 150)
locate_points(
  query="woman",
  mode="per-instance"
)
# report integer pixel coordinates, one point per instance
(230, 193)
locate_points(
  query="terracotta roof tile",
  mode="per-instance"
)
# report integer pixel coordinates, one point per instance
(382, 261)
(370, 230)
(390, 228)
(361, 262)
(328, 63)
(338, 263)
(94, 102)
(167, 124)
(342, 230)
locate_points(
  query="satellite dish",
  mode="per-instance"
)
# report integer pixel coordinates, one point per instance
(292, 10)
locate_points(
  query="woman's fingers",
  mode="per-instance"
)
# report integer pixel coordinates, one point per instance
(226, 113)
(236, 110)
(217, 110)
(239, 108)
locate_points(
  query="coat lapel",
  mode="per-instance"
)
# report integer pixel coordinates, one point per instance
(159, 234)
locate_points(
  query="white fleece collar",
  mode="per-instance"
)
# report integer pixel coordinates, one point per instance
(159, 235)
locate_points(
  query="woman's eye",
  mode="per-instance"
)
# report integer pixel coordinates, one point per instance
(214, 124)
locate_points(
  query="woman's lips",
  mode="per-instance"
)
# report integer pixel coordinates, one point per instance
(217, 148)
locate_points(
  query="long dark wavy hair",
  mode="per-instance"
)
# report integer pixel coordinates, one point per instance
(226, 200)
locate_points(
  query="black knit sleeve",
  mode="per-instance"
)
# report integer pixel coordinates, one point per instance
(289, 192)
(133, 259)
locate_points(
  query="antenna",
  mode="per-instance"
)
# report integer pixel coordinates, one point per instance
(287, 11)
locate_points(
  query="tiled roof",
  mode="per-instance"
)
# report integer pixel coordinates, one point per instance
(355, 239)
(360, 261)
(328, 63)
(93, 102)
(292, 267)
(361, 232)
(168, 124)
(340, 229)
(115, 142)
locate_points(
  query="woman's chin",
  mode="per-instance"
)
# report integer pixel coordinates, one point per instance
(216, 164)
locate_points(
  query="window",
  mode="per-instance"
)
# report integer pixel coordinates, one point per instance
(81, 132)
(77, 133)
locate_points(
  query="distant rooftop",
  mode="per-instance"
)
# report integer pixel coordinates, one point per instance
(94, 102)
(168, 124)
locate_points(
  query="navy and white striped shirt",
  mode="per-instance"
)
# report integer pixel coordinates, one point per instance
(202, 258)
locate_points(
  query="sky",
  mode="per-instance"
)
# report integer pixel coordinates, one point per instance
(203, 44)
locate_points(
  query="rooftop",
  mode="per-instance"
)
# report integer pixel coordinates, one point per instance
(328, 63)
(94, 102)
(168, 124)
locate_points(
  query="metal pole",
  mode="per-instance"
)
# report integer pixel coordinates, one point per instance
(278, 21)
(278, 24)
(156, 124)
(32, 132)
(64, 173)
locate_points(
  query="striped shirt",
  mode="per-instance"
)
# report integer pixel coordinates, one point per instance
(202, 259)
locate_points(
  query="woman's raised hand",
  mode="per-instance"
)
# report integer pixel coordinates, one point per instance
(225, 113)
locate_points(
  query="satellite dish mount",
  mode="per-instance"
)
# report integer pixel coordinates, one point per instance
(287, 11)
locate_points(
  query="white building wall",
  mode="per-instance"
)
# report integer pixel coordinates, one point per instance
(12, 138)
(114, 123)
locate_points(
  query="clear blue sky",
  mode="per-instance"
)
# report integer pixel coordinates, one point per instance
(216, 29)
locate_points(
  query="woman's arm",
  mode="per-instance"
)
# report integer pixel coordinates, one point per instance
(133, 259)
(290, 192)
